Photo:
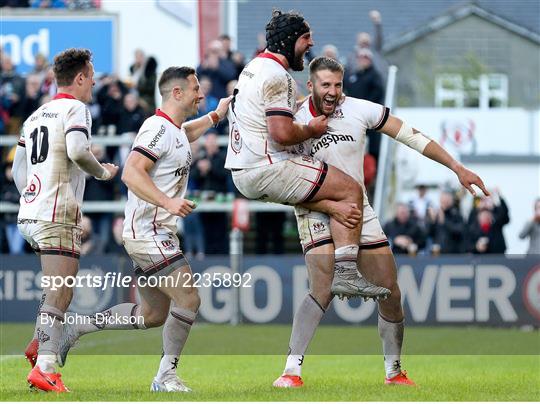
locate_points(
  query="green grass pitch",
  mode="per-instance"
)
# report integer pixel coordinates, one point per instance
(353, 371)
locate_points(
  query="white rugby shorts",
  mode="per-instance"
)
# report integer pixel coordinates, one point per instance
(288, 182)
(161, 253)
(314, 229)
(50, 238)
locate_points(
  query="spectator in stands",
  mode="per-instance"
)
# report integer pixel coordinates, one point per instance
(366, 83)
(330, 51)
(404, 233)
(96, 190)
(146, 86)
(32, 96)
(132, 115)
(209, 102)
(11, 93)
(421, 203)
(446, 226)
(218, 68)
(363, 41)
(41, 65)
(10, 194)
(261, 44)
(110, 98)
(48, 85)
(210, 173)
(235, 57)
(532, 230)
(486, 222)
(211, 176)
(136, 69)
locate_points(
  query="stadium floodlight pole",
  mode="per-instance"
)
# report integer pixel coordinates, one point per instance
(384, 165)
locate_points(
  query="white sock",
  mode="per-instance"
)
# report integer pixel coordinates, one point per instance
(175, 334)
(294, 365)
(346, 256)
(46, 363)
(392, 339)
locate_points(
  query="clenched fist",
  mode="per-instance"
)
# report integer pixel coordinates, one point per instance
(179, 207)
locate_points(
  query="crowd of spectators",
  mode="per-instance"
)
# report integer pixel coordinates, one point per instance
(423, 226)
(121, 105)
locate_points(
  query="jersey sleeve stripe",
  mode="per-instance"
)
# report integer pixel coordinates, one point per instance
(146, 153)
(280, 112)
(383, 119)
(21, 143)
(78, 129)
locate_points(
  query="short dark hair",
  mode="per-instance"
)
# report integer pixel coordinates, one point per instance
(173, 73)
(69, 63)
(324, 63)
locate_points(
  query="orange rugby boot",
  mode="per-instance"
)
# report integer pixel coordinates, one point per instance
(46, 381)
(401, 378)
(288, 381)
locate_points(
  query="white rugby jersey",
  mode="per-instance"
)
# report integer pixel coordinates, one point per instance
(168, 147)
(55, 185)
(264, 88)
(342, 146)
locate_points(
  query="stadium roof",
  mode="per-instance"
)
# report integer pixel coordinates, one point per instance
(457, 13)
(338, 21)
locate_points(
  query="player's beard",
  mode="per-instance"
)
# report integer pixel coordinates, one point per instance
(319, 104)
(298, 62)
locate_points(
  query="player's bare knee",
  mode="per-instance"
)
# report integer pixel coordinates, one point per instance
(59, 298)
(155, 318)
(391, 307)
(188, 299)
(323, 296)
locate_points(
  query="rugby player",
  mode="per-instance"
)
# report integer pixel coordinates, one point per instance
(51, 160)
(262, 129)
(343, 147)
(156, 174)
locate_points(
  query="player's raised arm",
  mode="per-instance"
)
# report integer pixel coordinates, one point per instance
(413, 138)
(137, 179)
(78, 151)
(197, 127)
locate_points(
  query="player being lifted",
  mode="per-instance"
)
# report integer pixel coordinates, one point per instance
(51, 160)
(156, 174)
(262, 130)
(349, 118)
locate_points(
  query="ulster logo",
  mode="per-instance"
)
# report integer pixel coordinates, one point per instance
(235, 139)
(338, 114)
(318, 227)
